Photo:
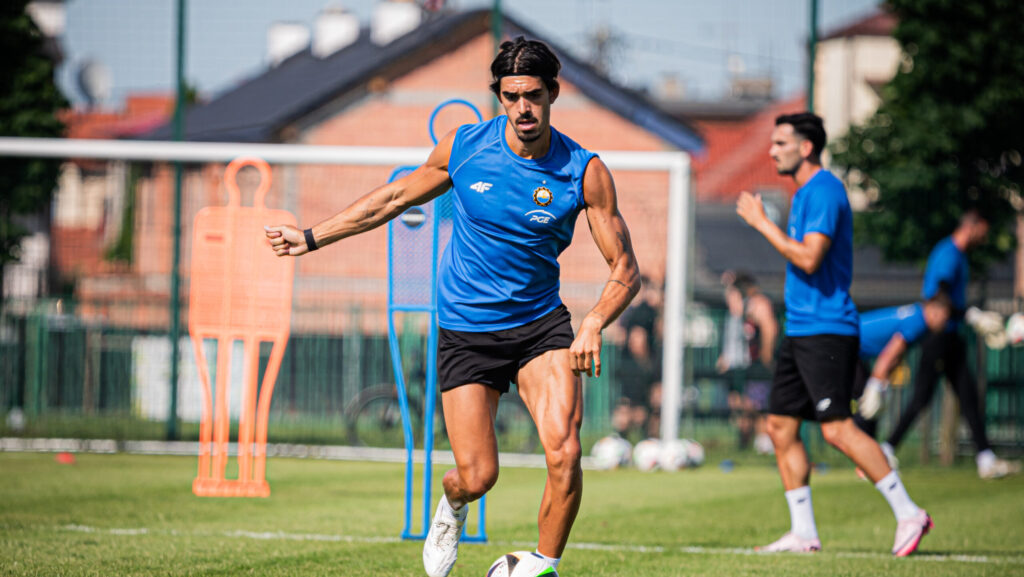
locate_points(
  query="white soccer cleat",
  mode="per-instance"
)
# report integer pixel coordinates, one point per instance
(791, 543)
(909, 533)
(998, 469)
(890, 455)
(441, 548)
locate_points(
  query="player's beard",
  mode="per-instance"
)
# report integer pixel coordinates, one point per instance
(791, 171)
(523, 137)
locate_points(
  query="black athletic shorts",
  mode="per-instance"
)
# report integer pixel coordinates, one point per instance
(494, 358)
(814, 377)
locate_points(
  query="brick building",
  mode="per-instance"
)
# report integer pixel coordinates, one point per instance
(369, 93)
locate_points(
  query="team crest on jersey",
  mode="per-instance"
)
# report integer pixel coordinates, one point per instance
(542, 196)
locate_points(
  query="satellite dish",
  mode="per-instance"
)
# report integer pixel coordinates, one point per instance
(94, 81)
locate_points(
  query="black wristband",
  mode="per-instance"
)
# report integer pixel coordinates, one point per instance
(310, 241)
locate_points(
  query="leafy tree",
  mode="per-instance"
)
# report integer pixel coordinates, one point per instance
(29, 101)
(949, 133)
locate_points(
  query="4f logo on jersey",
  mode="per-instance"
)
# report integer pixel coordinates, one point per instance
(481, 186)
(542, 196)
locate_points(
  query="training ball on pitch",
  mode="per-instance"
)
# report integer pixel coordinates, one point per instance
(521, 564)
(1015, 328)
(674, 455)
(611, 452)
(647, 454)
(695, 453)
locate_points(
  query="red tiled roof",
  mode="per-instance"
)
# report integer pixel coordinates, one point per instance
(736, 156)
(141, 113)
(877, 24)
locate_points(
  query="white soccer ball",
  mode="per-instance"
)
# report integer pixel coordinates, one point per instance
(1015, 328)
(695, 453)
(763, 444)
(521, 564)
(647, 454)
(674, 455)
(611, 452)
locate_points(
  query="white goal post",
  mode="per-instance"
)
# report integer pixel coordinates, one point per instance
(676, 164)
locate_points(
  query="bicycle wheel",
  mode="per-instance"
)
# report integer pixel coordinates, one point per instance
(374, 419)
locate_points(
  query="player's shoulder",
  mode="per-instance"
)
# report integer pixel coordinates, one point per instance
(579, 155)
(945, 249)
(825, 189)
(824, 180)
(478, 130)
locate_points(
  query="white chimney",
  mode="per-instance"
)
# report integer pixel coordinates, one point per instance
(49, 15)
(334, 29)
(285, 39)
(393, 19)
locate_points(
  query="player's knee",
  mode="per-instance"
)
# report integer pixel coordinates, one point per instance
(835, 432)
(478, 480)
(779, 430)
(564, 459)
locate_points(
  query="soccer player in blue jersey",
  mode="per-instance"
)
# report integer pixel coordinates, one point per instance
(946, 352)
(518, 185)
(885, 335)
(815, 365)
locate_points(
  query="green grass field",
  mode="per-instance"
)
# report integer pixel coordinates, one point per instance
(135, 515)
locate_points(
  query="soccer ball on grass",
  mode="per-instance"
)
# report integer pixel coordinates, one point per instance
(521, 564)
(611, 452)
(647, 454)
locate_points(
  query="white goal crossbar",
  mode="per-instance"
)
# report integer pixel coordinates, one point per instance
(676, 164)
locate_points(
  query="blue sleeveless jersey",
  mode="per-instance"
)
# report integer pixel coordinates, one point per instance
(512, 217)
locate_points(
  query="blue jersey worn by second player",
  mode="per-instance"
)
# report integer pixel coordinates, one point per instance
(512, 218)
(820, 303)
(947, 264)
(878, 327)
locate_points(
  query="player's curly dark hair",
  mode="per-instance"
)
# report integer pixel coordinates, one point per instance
(522, 57)
(810, 127)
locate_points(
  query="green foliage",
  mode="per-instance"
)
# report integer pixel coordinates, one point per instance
(29, 101)
(948, 132)
(123, 247)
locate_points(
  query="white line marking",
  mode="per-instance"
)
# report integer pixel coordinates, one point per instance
(649, 549)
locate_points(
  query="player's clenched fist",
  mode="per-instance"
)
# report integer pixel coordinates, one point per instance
(286, 240)
(750, 208)
(585, 352)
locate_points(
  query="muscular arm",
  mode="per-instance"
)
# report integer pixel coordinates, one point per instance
(612, 237)
(805, 255)
(889, 357)
(374, 208)
(764, 317)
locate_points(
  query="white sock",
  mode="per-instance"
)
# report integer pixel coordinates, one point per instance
(887, 448)
(985, 459)
(895, 493)
(801, 513)
(459, 513)
(553, 561)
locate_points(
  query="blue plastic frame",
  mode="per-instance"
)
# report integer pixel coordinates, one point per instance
(430, 402)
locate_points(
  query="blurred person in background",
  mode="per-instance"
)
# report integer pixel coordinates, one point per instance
(945, 352)
(885, 336)
(749, 337)
(816, 360)
(638, 371)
